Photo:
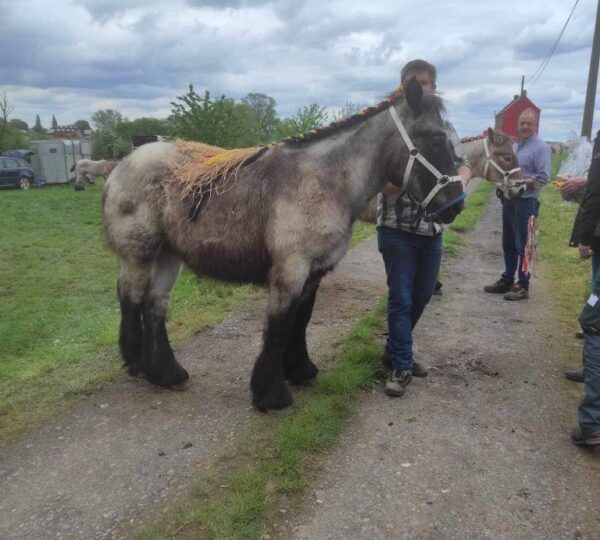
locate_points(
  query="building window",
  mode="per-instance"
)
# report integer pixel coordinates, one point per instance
(53, 150)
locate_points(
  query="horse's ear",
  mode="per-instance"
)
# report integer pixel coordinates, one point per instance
(414, 95)
(490, 134)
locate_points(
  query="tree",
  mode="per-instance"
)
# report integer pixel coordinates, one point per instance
(5, 109)
(108, 144)
(143, 126)
(349, 109)
(54, 122)
(83, 125)
(220, 122)
(266, 116)
(38, 128)
(311, 116)
(107, 119)
(19, 124)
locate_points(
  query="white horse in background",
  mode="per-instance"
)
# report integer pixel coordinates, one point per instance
(86, 169)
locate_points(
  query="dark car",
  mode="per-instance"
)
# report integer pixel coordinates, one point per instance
(15, 172)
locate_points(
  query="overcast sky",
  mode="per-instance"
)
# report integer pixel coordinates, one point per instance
(73, 57)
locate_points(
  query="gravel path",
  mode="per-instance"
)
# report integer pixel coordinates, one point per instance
(480, 448)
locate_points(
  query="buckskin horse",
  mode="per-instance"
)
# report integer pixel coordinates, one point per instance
(280, 215)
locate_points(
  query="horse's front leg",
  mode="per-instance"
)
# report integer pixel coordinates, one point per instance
(297, 365)
(286, 283)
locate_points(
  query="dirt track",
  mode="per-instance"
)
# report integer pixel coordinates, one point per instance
(465, 454)
(479, 449)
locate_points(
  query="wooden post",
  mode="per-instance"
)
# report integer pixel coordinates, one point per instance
(590, 96)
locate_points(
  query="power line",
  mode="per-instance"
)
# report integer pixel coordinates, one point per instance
(538, 72)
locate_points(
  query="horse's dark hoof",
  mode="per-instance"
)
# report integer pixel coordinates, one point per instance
(304, 374)
(175, 380)
(272, 400)
(79, 188)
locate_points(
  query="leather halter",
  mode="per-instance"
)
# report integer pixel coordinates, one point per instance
(443, 180)
(505, 174)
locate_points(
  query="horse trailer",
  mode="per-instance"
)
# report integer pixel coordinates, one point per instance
(53, 159)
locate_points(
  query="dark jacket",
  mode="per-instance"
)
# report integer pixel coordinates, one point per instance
(588, 216)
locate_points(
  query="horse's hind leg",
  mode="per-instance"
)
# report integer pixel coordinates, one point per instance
(286, 283)
(297, 365)
(133, 280)
(160, 365)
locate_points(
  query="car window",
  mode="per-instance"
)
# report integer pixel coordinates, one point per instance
(12, 163)
(23, 163)
(3, 164)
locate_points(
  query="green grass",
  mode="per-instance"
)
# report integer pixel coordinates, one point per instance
(361, 232)
(467, 219)
(274, 460)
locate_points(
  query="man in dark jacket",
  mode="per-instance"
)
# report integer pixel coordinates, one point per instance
(587, 432)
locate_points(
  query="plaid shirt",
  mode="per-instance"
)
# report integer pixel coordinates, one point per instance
(400, 212)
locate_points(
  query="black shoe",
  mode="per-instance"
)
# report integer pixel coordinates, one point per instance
(419, 370)
(438, 289)
(397, 382)
(579, 334)
(580, 438)
(500, 287)
(575, 375)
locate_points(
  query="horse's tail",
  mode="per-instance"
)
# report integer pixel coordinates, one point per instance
(72, 168)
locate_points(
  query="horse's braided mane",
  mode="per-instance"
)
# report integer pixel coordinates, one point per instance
(350, 121)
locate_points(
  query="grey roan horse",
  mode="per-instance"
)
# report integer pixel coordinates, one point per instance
(285, 221)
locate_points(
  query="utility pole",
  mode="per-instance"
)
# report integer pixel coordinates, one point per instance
(590, 96)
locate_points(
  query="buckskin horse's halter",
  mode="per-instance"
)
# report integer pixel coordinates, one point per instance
(505, 184)
(443, 180)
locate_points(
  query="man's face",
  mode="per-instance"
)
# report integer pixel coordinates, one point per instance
(527, 125)
(424, 78)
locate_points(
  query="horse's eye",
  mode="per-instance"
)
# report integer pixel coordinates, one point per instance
(507, 158)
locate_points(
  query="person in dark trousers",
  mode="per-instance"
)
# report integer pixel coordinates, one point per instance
(582, 236)
(534, 158)
(411, 248)
(587, 431)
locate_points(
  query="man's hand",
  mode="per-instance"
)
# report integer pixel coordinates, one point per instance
(585, 252)
(529, 183)
(571, 184)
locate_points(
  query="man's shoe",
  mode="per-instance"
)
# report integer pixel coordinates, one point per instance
(419, 370)
(579, 334)
(575, 375)
(397, 382)
(438, 289)
(580, 438)
(500, 287)
(517, 293)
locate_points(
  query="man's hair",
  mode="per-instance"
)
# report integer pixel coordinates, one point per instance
(530, 111)
(416, 66)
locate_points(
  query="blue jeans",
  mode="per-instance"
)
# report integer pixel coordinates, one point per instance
(589, 408)
(595, 266)
(515, 218)
(412, 264)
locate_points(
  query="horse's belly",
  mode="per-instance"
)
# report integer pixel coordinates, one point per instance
(222, 260)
